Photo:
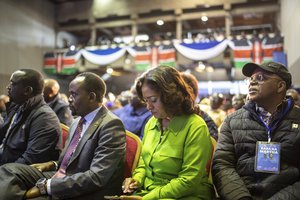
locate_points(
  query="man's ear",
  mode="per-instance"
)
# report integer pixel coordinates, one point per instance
(281, 86)
(28, 90)
(92, 96)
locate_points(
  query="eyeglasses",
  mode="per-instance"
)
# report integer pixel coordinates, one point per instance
(260, 78)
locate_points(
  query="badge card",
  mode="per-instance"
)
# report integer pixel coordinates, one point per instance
(267, 157)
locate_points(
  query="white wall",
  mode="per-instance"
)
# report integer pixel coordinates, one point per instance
(290, 25)
(65, 36)
(27, 31)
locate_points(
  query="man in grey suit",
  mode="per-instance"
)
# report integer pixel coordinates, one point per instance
(90, 171)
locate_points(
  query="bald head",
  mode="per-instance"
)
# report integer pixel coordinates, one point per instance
(294, 94)
(51, 89)
(3, 100)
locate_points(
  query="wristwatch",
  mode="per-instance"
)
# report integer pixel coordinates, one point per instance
(41, 184)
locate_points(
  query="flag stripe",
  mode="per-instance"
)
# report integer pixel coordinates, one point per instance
(242, 54)
(68, 61)
(143, 57)
(169, 55)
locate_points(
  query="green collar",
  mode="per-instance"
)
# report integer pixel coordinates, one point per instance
(176, 124)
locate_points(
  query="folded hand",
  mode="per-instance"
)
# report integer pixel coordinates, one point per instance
(131, 197)
(43, 167)
(130, 185)
(32, 193)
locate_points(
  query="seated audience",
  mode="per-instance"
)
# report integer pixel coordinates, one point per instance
(226, 103)
(31, 131)
(123, 97)
(238, 101)
(111, 102)
(52, 98)
(134, 115)
(4, 99)
(294, 94)
(91, 165)
(177, 147)
(193, 83)
(214, 110)
(257, 155)
(64, 97)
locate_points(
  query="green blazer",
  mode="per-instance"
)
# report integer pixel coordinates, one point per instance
(175, 164)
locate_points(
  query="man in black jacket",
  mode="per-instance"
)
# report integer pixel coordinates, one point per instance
(59, 106)
(257, 155)
(31, 131)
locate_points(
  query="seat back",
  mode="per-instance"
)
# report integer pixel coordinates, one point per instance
(64, 134)
(133, 151)
(214, 144)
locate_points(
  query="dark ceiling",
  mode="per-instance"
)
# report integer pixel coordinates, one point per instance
(65, 1)
(262, 22)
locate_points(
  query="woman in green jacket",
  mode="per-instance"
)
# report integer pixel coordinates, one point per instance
(177, 149)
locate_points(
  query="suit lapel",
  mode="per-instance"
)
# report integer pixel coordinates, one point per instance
(89, 132)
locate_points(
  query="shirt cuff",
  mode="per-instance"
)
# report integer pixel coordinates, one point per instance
(48, 187)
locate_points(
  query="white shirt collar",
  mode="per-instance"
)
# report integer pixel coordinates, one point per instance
(88, 119)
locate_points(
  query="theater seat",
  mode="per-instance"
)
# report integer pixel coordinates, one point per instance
(65, 133)
(133, 151)
(214, 144)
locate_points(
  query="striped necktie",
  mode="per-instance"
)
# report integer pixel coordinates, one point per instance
(71, 149)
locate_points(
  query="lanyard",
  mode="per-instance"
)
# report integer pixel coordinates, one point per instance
(270, 129)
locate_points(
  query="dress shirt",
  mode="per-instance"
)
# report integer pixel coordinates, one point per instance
(88, 120)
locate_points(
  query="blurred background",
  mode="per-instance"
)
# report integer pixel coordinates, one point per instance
(119, 39)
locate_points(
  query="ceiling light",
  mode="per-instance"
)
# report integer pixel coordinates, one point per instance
(201, 66)
(72, 47)
(160, 22)
(204, 18)
(109, 70)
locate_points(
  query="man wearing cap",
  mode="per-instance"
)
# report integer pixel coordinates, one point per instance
(257, 155)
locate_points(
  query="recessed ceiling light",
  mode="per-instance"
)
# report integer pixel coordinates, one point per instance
(204, 18)
(160, 22)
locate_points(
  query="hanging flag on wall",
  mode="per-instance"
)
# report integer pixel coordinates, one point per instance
(202, 50)
(241, 52)
(146, 57)
(50, 63)
(167, 55)
(60, 62)
(103, 56)
(143, 58)
(257, 51)
(270, 45)
(69, 61)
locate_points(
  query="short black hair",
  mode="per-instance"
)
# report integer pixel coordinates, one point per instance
(94, 83)
(33, 79)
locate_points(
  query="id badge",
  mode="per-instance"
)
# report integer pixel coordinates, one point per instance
(267, 157)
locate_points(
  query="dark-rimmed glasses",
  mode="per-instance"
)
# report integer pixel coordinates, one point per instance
(259, 78)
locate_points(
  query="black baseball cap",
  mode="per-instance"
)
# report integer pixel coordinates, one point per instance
(272, 67)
